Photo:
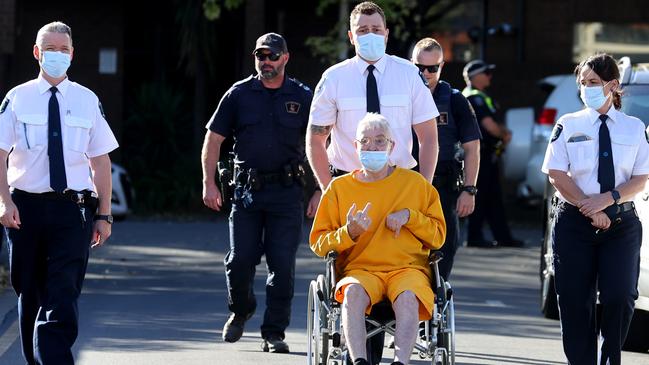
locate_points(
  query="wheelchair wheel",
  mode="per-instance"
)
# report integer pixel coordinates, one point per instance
(446, 334)
(318, 341)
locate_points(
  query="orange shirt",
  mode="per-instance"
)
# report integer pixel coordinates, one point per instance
(378, 249)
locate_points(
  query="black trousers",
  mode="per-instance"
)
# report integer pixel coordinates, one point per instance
(448, 197)
(584, 263)
(489, 205)
(48, 258)
(270, 226)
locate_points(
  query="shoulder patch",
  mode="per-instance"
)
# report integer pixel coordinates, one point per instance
(478, 100)
(556, 132)
(101, 109)
(4, 105)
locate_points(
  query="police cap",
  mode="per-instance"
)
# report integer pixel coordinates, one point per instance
(272, 42)
(477, 67)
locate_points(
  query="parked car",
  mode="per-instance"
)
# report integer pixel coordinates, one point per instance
(123, 194)
(635, 102)
(524, 156)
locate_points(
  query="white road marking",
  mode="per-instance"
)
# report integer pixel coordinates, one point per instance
(495, 303)
(9, 337)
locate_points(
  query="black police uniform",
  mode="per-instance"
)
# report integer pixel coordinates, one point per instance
(587, 259)
(268, 126)
(489, 199)
(456, 123)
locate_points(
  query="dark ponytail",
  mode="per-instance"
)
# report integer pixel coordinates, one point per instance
(606, 68)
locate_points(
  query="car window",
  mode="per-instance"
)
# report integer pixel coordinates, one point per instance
(635, 101)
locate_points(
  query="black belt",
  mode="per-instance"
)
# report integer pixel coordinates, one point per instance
(336, 172)
(74, 196)
(620, 208)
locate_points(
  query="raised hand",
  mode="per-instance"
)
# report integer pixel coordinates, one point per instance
(358, 221)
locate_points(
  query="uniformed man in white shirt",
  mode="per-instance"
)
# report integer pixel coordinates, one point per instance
(371, 81)
(598, 160)
(55, 196)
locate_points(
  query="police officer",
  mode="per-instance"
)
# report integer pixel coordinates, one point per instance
(267, 115)
(57, 133)
(598, 160)
(456, 124)
(371, 81)
(495, 136)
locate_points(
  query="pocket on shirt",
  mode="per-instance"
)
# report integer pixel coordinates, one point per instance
(31, 130)
(582, 156)
(77, 133)
(350, 112)
(624, 152)
(396, 109)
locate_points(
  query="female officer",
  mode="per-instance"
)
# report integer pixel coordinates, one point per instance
(598, 160)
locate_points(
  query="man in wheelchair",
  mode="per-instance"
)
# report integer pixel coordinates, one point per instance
(382, 248)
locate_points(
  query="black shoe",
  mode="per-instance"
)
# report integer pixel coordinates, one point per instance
(511, 243)
(233, 329)
(397, 363)
(361, 361)
(274, 343)
(481, 244)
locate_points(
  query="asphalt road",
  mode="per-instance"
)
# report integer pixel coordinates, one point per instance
(156, 295)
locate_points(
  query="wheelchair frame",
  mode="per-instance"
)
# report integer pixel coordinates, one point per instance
(326, 345)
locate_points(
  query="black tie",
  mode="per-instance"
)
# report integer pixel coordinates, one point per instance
(605, 172)
(58, 180)
(372, 92)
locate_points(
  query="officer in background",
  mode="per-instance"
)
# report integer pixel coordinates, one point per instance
(495, 136)
(267, 115)
(455, 124)
(58, 169)
(598, 160)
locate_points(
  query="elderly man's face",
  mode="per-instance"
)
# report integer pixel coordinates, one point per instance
(373, 139)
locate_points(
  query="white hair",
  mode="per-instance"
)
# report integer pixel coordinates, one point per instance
(374, 121)
(53, 27)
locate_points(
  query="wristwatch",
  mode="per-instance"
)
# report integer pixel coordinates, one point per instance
(471, 189)
(616, 196)
(107, 218)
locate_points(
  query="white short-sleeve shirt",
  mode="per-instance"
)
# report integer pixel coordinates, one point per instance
(24, 132)
(575, 150)
(340, 100)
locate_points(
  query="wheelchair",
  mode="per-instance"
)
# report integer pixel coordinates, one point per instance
(326, 343)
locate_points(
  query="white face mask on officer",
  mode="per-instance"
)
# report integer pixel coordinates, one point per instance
(55, 64)
(370, 46)
(593, 96)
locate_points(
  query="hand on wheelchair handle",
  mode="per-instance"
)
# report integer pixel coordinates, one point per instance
(358, 221)
(396, 220)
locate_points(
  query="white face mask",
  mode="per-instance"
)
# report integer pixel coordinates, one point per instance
(55, 64)
(593, 96)
(370, 46)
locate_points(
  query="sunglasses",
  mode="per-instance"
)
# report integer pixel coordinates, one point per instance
(271, 56)
(432, 68)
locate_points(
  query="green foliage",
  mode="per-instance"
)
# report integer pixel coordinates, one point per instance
(157, 153)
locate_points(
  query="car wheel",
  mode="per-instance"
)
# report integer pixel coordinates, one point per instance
(637, 339)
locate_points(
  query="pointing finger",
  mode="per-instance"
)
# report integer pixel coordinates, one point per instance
(350, 213)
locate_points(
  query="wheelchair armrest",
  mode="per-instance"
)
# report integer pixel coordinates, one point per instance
(434, 257)
(330, 271)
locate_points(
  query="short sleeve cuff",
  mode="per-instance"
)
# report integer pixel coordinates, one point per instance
(102, 151)
(546, 168)
(424, 118)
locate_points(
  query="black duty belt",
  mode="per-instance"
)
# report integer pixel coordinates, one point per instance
(74, 196)
(336, 172)
(620, 208)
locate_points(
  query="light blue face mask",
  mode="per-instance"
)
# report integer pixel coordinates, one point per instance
(593, 96)
(373, 160)
(371, 46)
(55, 64)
